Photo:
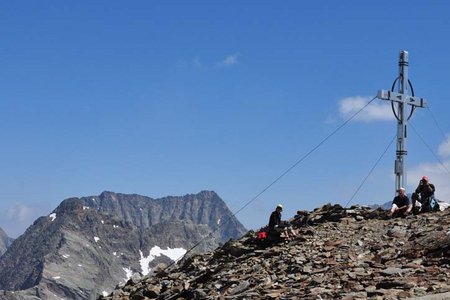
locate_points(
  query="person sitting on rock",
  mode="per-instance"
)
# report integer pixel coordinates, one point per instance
(401, 206)
(423, 198)
(278, 226)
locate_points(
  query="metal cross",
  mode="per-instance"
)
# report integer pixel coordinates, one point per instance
(401, 99)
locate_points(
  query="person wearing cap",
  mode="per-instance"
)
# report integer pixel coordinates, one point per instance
(275, 223)
(401, 206)
(424, 196)
(275, 217)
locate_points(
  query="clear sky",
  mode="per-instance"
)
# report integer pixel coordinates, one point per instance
(169, 98)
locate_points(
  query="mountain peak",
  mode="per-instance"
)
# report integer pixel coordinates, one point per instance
(69, 205)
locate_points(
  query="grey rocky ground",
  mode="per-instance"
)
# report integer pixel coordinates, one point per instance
(339, 253)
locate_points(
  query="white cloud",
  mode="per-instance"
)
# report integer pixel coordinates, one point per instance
(444, 147)
(14, 219)
(21, 213)
(201, 64)
(230, 60)
(376, 111)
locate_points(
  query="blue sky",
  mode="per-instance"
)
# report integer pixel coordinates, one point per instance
(169, 98)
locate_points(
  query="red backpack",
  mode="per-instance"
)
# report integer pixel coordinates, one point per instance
(262, 235)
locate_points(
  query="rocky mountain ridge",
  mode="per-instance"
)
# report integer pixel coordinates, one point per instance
(87, 245)
(356, 253)
(5, 241)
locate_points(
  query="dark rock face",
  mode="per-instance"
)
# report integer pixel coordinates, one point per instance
(355, 253)
(5, 241)
(204, 208)
(88, 245)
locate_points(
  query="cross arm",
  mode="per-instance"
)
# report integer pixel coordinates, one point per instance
(397, 97)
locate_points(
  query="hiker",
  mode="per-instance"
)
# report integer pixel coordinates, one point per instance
(280, 227)
(423, 198)
(401, 206)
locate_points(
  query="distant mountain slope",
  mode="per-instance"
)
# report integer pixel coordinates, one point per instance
(88, 245)
(385, 206)
(5, 241)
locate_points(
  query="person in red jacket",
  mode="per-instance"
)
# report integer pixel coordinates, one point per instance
(423, 198)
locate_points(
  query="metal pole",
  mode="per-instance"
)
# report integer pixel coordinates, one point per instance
(400, 168)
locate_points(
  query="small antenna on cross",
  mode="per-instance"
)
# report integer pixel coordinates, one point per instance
(401, 98)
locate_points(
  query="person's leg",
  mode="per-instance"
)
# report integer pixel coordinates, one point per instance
(415, 203)
(434, 206)
(280, 231)
(426, 205)
(394, 208)
(418, 207)
(401, 212)
(292, 231)
(398, 212)
(287, 237)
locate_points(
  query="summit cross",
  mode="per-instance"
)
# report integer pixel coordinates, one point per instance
(401, 98)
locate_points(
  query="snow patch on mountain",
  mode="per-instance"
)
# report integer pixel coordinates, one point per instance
(128, 273)
(174, 254)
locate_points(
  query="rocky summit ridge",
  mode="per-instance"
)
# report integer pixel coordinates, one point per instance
(87, 245)
(5, 241)
(355, 253)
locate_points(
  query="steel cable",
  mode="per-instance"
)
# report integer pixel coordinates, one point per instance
(370, 172)
(446, 139)
(301, 159)
(431, 150)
